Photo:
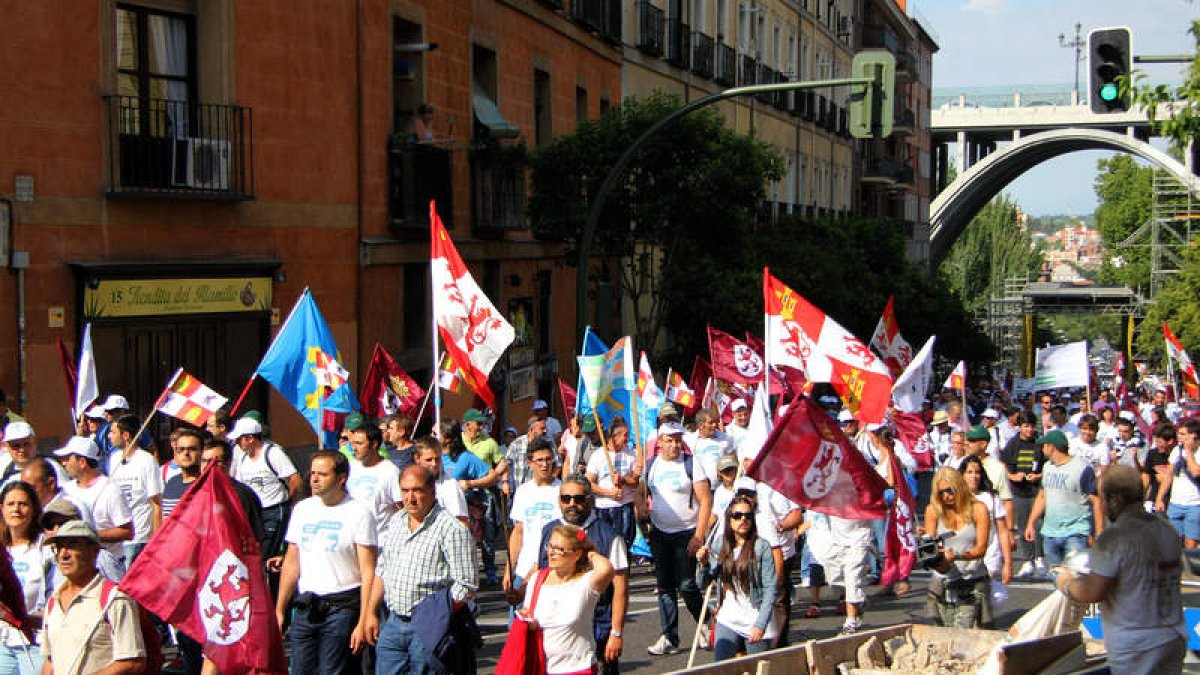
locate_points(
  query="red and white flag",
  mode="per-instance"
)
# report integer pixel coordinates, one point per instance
(473, 332)
(678, 391)
(733, 360)
(811, 462)
(189, 399)
(1119, 378)
(901, 541)
(888, 342)
(647, 389)
(700, 381)
(802, 336)
(568, 398)
(202, 573)
(957, 379)
(388, 388)
(1176, 352)
(329, 373)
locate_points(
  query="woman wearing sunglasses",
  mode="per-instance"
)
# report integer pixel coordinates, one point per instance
(960, 583)
(745, 569)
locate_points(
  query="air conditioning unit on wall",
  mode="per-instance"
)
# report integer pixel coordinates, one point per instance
(202, 163)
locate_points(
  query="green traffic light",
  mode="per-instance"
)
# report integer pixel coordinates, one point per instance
(1108, 92)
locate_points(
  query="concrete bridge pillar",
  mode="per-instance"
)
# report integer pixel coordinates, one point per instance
(961, 165)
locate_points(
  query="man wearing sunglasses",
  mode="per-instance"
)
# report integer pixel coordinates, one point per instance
(577, 501)
(534, 505)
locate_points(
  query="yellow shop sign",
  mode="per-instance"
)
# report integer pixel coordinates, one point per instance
(154, 297)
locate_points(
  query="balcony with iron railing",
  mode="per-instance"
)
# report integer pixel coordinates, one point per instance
(904, 121)
(179, 149)
(702, 54)
(747, 70)
(679, 43)
(881, 170)
(600, 16)
(726, 65)
(765, 75)
(876, 36)
(650, 28)
(418, 173)
(498, 189)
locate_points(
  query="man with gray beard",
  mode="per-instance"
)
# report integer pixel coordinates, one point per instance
(576, 501)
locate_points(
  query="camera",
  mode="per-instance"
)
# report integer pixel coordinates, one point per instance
(930, 554)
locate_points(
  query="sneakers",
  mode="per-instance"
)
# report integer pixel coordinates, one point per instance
(1039, 566)
(705, 638)
(851, 627)
(662, 647)
(814, 611)
(1026, 571)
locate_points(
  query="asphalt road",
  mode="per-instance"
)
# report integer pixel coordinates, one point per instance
(642, 625)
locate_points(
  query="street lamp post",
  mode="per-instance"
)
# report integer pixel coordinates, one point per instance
(618, 170)
(1077, 44)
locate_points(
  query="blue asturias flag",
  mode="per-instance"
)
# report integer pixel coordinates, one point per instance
(592, 346)
(301, 348)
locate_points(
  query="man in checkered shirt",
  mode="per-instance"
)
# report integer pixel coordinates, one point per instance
(421, 555)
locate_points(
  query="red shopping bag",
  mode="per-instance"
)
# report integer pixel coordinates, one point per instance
(523, 653)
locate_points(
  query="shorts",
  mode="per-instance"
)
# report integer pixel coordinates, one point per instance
(1186, 520)
(848, 568)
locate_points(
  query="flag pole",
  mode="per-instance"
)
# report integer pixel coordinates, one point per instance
(245, 390)
(963, 395)
(253, 376)
(157, 402)
(428, 395)
(766, 345)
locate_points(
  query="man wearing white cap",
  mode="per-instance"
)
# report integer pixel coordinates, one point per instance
(21, 442)
(709, 444)
(991, 417)
(554, 428)
(136, 473)
(112, 515)
(267, 469)
(114, 407)
(741, 420)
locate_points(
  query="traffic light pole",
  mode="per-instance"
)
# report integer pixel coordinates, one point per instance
(618, 170)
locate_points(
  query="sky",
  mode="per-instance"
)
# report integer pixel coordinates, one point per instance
(1010, 42)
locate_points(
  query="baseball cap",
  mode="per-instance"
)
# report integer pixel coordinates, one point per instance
(671, 429)
(473, 415)
(115, 402)
(62, 508)
(1056, 438)
(75, 529)
(940, 417)
(1126, 415)
(845, 416)
(738, 404)
(745, 484)
(978, 433)
(668, 409)
(245, 426)
(511, 430)
(991, 412)
(79, 445)
(16, 431)
(589, 424)
(95, 412)
(540, 405)
(354, 422)
(726, 462)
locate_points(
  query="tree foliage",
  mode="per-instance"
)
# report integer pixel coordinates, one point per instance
(993, 248)
(1125, 192)
(1183, 124)
(1176, 304)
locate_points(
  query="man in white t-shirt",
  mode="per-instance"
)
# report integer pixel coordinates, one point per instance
(1182, 481)
(682, 499)
(266, 469)
(534, 505)
(110, 511)
(614, 495)
(1088, 445)
(736, 429)
(427, 452)
(21, 442)
(554, 428)
(331, 561)
(374, 481)
(136, 473)
(708, 444)
(39, 474)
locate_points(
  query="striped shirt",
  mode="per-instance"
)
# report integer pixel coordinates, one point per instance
(414, 565)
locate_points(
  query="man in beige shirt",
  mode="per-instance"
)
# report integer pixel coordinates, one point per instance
(83, 634)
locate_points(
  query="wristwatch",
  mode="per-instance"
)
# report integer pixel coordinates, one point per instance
(615, 633)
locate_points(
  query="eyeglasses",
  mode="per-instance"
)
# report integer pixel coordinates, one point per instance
(740, 515)
(554, 549)
(345, 439)
(540, 460)
(573, 499)
(946, 491)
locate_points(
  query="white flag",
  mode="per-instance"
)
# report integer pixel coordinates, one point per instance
(1062, 366)
(87, 388)
(909, 391)
(758, 429)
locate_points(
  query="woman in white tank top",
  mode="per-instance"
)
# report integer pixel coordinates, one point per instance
(959, 588)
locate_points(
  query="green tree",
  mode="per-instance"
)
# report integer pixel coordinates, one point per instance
(1125, 192)
(993, 248)
(696, 184)
(1176, 305)
(1183, 124)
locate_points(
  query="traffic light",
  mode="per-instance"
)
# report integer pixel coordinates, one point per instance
(1109, 57)
(871, 105)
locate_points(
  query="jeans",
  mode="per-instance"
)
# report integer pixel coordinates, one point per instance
(190, 654)
(783, 601)
(21, 660)
(1057, 548)
(622, 520)
(674, 575)
(879, 532)
(321, 642)
(1024, 550)
(132, 551)
(399, 651)
(729, 644)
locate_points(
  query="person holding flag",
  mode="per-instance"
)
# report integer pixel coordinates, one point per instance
(615, 473)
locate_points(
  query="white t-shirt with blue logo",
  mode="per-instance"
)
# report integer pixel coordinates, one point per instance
(675, 509)
(622, 463)
(325, 537)
(533, 506)
(707, 451)
(377, 485)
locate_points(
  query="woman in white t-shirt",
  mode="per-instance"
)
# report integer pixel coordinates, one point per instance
(567, 591)
(22, 535)
(745, 568)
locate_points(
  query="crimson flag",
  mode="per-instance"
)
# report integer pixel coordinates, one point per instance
(387, 388)
(733, 360)
(910, 429)
(568, 398)
(701, 374)
(901, 541)
(202, 573)
(69, 377)
(810, 461)
(12, 600)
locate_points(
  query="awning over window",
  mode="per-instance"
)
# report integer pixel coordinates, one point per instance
(488, 114)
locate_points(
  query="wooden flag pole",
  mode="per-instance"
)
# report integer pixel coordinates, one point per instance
(428, 395)
(157, 402)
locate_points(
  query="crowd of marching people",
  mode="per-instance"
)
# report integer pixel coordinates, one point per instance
(376, 558)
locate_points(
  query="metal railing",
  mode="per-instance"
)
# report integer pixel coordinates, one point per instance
(747, 70)
(418, 173)
(650, 28)
(179, 148)
(497, 192)
(702, 54)
(679, 43)
(588, 13)
(726, 65)
(766, 75)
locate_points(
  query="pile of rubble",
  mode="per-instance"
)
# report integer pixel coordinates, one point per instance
(903, 654)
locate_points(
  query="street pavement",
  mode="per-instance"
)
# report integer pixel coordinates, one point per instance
(642, 626)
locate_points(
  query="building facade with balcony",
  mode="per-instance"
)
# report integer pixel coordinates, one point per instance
(176, 172)
(895, 178)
